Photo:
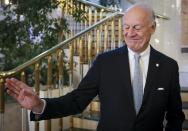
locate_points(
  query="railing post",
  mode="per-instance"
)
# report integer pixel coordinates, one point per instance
(89, 49)
(113, 44)
(49, 89)
(81, 53)
(24, 111)
(60, 82)
(98, 43)
(106, 37)
(119, 31)
(71, 62)
(37, 88)
(2, 103)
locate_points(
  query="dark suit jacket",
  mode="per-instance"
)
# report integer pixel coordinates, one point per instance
(109, 77)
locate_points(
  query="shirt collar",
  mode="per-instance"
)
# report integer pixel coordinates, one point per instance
(142, 54)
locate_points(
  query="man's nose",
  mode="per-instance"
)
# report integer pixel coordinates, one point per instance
(130, 32)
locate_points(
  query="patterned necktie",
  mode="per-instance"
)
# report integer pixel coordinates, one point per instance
(137, 84)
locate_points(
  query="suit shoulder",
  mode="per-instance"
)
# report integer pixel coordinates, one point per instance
(165, 58)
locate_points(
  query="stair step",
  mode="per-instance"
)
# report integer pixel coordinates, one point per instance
(185, 109)
(186, 113)
(89, 115)
(95, 106)
(184, 89)
(84, 123)
(77, 129)
(96, 99)
(185, 105)
(87, 120)
(185, 125)
(184, 96)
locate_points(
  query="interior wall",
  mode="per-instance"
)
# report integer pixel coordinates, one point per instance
(167, 37)
(168, 34)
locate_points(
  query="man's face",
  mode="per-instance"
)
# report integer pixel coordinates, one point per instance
(138, 28)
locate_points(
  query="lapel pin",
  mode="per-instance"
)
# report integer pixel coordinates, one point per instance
(157, 65)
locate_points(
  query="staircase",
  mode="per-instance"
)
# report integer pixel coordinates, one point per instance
(101, 32)
(184, 95)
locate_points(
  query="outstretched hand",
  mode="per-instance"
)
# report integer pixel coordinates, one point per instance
(24, 95)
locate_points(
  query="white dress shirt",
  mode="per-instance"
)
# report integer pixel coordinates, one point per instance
(144, 62)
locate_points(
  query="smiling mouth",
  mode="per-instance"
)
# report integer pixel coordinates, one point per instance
(134, 39)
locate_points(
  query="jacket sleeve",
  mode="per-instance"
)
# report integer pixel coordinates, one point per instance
(75, 101)
(174, 114)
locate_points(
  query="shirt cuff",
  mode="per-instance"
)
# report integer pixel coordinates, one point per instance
(39, 113)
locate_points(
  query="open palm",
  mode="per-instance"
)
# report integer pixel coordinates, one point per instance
(22, 93)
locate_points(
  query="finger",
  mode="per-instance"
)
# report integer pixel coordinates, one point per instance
(19, 98)
(12, 80)
(12, 94)
(18, 83)
(14, 83)
(12, 88)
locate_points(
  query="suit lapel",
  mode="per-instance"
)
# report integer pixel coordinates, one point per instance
(124, 72)
(152, 75)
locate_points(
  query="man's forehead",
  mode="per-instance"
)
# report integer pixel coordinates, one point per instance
(137, 11)
(137, 15)
(140, 10)
(141, 6)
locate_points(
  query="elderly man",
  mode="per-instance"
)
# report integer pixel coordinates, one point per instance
(138, 87)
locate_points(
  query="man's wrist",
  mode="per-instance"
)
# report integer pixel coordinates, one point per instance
(40, 108)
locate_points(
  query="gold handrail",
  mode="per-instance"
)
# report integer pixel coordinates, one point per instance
(162, 16)
(99, 6)
(60, 45)
(117, 9)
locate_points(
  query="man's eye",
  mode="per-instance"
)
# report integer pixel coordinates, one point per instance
(126, 27)
(138, 27)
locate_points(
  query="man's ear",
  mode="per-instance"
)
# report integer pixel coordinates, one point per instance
(153, 27)
(154, 24)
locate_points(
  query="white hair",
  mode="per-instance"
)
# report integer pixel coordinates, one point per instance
(145, 7)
